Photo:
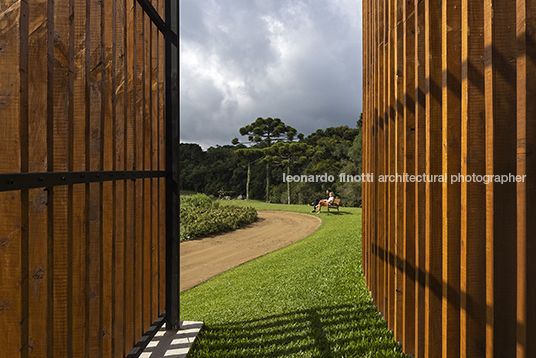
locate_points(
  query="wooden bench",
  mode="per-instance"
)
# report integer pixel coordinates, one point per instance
(335, 205)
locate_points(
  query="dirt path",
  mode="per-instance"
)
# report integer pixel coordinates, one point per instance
(206, 258)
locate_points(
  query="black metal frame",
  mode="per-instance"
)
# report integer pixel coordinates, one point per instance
(18, 181)
(172, 166)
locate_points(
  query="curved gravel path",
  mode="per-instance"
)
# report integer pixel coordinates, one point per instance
(208, 257)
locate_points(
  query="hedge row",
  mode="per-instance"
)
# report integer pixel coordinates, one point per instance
(196, 222)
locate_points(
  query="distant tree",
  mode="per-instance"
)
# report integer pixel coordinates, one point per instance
(287, 154)
(264, 132)
(251, 155)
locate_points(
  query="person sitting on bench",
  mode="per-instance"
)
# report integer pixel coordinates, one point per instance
(325, 202)
(317, 200)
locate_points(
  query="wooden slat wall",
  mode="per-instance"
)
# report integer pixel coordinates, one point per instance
(449, 89)
(81, 88)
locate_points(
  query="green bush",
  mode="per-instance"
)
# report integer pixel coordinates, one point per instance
(196, 201)
(196, 222)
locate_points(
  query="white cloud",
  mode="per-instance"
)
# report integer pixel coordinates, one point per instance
(242, 59)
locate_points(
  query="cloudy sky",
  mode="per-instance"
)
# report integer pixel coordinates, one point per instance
(298, 60)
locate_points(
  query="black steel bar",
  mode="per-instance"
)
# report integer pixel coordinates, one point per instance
(172, 167)
(18, 181)
(149, 9)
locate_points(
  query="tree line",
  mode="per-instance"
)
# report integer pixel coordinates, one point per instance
(269, 151)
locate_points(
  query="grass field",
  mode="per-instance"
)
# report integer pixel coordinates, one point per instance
(306, 300)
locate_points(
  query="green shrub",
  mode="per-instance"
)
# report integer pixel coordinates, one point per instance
(196, 222)
(196, 201)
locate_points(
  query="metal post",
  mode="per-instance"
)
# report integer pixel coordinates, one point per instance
(172, 165)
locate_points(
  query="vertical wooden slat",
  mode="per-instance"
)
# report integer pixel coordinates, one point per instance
(154, 166)
(399, 164)
(119, 101)
(107, 150)
(147, 200)
(94, 264)
(129, 190)
(10, 210)
(391, 70)
(79, 191)
(526, 188)
(501, 230)
(366, 69)
(60, 162)
(385, 149)
(72, 225)
(420, 169)
(451, 83)
(433, 294)
(139, 156)
(408, 129)
(37, 151)
(473, 210)
(374, 153)
(380, 161)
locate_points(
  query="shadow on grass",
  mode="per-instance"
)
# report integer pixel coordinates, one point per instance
(329, 331)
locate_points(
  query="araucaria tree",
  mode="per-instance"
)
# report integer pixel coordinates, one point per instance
(264, 132)
(287, 154)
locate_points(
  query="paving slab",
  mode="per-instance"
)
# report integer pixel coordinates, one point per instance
(172, 344)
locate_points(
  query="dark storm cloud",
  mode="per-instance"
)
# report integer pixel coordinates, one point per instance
(242, 59)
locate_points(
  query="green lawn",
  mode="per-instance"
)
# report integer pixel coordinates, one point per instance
(306, 300)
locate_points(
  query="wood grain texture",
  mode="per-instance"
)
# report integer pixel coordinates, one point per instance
(391, 93)
(451, 136)
(129, 190)
(408, 319)
(11, 274)
(433, 294)
(420, 168)
(399, 184)
(108, 153)
(526, 165)
(473, 210)
(119, 130)
(501, 230)
(38, 77)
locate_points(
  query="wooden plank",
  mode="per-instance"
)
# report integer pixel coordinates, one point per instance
(38, 77)
(380, 161)
(372, 155)
(119, 112)
(79, 199)
(108, 159)
(433, 294)
(420, 168)
(129, 191)
(526, 165)
(399, 185)
(391, 70)
(385, 164)
(408, 129)
(10, 202)
(501, 213)
(139, 155)
(94, 227)
(451, 83)
(366, 105)
(147, 190)
(473, 210)
(154, 166)
(60, 162)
